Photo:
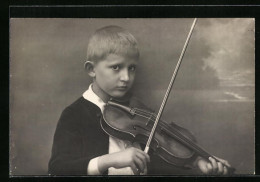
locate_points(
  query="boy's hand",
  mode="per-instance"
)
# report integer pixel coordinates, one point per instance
(131, 157)
(213, 167)
(134, 158)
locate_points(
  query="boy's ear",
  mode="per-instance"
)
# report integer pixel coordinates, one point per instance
(89, 67)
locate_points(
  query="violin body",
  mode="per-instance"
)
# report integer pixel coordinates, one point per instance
(135, 125)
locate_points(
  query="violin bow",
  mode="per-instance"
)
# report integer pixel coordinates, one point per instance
(146, 150)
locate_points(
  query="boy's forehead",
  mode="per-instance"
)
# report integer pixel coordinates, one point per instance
(115, 58)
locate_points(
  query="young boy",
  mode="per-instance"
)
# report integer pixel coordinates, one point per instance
(80, 146)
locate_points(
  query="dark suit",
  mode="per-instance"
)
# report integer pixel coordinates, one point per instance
(79, 138)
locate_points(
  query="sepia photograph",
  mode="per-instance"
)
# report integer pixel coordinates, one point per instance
(132, 96)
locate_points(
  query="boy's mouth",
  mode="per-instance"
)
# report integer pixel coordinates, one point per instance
(123, 88)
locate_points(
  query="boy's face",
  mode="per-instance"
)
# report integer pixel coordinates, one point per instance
(114, 76)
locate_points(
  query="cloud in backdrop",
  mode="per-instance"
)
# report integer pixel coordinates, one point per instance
(231, 49)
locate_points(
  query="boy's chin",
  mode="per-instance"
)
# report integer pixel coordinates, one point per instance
(120, 95)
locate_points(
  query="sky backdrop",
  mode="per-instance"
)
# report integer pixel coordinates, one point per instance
(213, 95)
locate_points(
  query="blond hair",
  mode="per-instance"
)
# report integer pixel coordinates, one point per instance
(111, 40)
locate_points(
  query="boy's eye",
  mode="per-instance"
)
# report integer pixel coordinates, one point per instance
(116, 67)
(132, 68)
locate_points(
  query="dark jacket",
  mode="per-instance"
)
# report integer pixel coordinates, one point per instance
(79, 138)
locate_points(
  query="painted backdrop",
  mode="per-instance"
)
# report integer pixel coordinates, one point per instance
(213, 95)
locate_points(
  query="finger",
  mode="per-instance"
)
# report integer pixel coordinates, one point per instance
(139, 150)
(143, 160)
(145, 171)
(220, 168)
(227, 163)
(140, 164)
(214, 165)
(203, 166)
(144, 156)
(223, 161)
(134, 169)
(225, 170)
(209, 168)
(147, 157)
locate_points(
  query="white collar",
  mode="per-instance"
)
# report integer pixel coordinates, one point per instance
(90, 95)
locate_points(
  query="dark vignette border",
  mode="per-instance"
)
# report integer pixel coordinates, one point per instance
(41, 9)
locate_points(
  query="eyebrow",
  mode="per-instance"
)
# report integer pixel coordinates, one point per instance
(133, 64)
(121, 63)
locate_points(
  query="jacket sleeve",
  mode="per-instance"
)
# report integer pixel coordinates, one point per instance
(67, 157)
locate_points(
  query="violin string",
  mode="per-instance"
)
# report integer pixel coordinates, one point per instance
(142, 115)
(144, 111)
(151, 116)
(188, 141)
(177, 134)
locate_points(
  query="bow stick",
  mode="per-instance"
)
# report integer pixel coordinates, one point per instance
(146, 150)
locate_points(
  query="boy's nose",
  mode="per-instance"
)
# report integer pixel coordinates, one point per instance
(124, 75)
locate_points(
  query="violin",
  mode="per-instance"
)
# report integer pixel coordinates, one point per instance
(172, 143)
(134, 124)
